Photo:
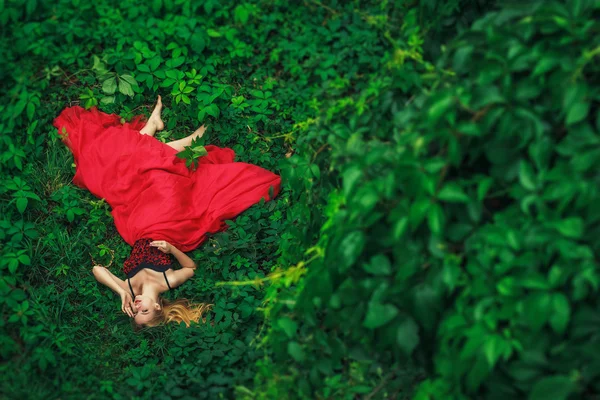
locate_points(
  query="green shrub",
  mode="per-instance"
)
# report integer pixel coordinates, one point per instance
(459, 232)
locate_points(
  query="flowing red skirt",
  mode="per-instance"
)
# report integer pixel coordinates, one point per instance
(151, 191)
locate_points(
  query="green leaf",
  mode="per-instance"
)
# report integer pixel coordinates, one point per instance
(213, 33)
(483, 187)
(507, 286)
(351, 176)
(257, 93)
(527, 90)
(440, 107)
(241, 14)
(314, 169)
(492, 349)
(13, 265)
(434, 165)
(110, 85)
(577, 112)
(99, 66)
(215, 95)
(30, 110)
(378, 265)
(562, 312)
(538, 309)
(125, 88)
(469, 128)
(418, 210)
(453, 193)
(107, 100)
(557, 387)
(540, 152)
(545, 65)
(24, 259)
(426, 300)
(436, 219)
(198, 42)
(296, 351)
(154, 63)
(21, 204)
(461, 58)
(577, 6)
(199, 151)
(129, 79)
(534, 281)
(176, 62)
(570, 227)
(379, 315)
(451, 273)
(526, 175)
(212, 110)
(407, 335)
(486, 95)
(350, 249)
(574, 93)
(400, 228)
(288, 326)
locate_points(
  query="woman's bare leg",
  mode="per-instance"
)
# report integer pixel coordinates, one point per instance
(155, 123)
(180, 144)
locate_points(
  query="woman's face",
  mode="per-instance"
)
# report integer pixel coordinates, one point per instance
(144, 308)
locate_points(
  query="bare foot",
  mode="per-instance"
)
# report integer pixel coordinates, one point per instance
(155, 116)
(198, 133)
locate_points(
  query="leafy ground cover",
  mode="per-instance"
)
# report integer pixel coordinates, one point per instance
(436, 233)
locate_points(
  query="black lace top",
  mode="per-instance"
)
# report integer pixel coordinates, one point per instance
(145, 256)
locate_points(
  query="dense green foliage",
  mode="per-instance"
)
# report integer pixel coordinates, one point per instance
(461, 228)
(435, 236)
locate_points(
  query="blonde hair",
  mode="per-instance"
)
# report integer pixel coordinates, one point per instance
(180, 310)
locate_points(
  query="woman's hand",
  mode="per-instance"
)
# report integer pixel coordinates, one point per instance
(126, 303)
(163, 246)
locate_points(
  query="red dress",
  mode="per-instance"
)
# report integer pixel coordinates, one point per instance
(151, 191)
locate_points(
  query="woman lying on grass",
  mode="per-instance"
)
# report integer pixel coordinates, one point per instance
(151, 277)
(160, 207)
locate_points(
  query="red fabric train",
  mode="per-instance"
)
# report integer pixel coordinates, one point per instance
(151, 191)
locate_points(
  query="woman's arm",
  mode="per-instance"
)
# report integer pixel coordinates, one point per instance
(105, 277)
(167, 247)
(178, 277)
(183, 259)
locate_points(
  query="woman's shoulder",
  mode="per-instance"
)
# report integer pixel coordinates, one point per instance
(179, 276)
